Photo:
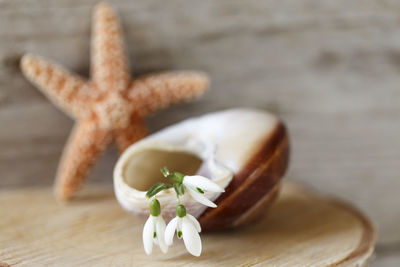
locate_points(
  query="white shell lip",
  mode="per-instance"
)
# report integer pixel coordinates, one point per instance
(223, 140)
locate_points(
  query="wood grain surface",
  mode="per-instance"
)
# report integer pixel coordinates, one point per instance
(302, 229)
(330, 69)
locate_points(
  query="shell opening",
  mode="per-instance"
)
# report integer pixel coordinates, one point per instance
(143, 169)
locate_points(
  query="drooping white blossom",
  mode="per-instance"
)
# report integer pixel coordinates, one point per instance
(187, 228)
(153, 233)
(198, 185)
(154, 229)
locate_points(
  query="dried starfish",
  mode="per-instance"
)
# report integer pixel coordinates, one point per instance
(109, 107)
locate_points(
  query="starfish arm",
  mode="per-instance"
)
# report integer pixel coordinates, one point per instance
(109, 65)
(129, 135)
(68, 91)
(85, 145)
(154, 92)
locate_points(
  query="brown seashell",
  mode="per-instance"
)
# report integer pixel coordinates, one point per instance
(254, 188)
(244, 151)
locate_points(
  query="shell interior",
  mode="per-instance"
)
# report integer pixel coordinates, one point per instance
(143, 169)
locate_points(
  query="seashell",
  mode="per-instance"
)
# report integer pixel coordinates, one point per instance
(244, 151)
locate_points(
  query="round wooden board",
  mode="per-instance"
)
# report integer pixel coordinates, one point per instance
(301, 229)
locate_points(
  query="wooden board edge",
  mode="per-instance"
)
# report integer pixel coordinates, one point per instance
(365, 249)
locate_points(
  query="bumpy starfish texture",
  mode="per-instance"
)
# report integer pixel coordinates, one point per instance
(109, 107)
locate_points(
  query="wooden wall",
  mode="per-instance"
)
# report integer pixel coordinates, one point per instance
(330, 69)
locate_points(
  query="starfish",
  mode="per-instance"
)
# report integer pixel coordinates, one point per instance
(111, 105)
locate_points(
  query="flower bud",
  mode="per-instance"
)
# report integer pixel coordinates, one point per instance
(181, 211)
(155, 208)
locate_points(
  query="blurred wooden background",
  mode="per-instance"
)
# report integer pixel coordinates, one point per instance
(330, 69)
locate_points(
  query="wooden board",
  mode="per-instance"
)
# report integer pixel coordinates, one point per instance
(330, 69)
(302, 229)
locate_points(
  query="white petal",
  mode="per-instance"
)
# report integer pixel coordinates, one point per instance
(179, 224)
(179, 227)
(195, 222)
(191, 238)
(202, 183)
(160, 230)
(170, 231)
(148, 232)
(200, 198)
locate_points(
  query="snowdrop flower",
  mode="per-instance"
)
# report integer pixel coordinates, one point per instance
(197, 185)
(154, 229)
(186, 227)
